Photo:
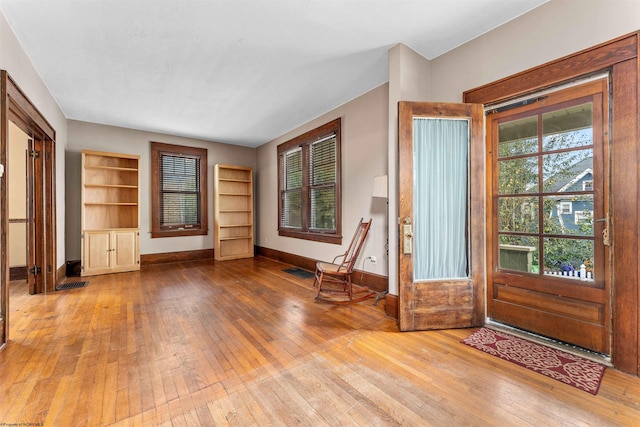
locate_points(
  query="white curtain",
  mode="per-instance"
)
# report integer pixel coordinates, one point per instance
(440, 189)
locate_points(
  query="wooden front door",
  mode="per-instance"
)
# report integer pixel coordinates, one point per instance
(441, 215)
(548, 216)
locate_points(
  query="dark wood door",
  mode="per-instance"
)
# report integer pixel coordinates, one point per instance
(548, 254)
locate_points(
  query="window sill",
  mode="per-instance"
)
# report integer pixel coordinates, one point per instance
(178, 233)
(316, 237)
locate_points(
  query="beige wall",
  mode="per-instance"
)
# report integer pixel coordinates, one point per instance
(15, 61)
(17, 172)
(364, 155)
(409, 77)
(91, 136)
(552, 31)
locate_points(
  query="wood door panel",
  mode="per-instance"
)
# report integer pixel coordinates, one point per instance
(580, 310)
(551, 285)
(97, 251)
(125, 250)
(583, 334)
(443, 305)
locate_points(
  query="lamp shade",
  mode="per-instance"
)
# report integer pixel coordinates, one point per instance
(380, 186)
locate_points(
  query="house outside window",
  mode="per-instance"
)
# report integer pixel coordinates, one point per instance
(564, 208)
(309, 204)
(583, 217)
(179, 190)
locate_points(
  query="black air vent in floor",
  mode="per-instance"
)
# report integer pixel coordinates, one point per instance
(298, 272)
(71, 285)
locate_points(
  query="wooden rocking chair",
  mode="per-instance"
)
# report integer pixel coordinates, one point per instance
(334, 279)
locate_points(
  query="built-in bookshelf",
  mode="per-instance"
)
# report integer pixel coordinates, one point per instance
(233, 212)
(110, 212)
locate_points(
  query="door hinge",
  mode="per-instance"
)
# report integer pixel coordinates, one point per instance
(35, 154)
(35, 270)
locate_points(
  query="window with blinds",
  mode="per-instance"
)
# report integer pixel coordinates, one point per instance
(291, 213)
(309, 185)
(179, 190)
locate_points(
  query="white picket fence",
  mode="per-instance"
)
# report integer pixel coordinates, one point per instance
(581, 274)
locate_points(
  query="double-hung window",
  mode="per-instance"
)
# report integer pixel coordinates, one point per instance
(179, 190)
(309, 185)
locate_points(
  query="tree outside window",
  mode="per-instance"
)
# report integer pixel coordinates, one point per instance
(545, 187)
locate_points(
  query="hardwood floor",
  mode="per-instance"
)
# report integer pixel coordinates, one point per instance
(242, 343)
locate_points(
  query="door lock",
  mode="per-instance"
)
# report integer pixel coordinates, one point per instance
(407, 237)
(605, 230)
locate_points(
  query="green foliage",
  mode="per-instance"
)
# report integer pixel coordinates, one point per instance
(521, 182)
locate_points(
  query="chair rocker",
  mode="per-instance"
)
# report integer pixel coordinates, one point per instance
(334, 279)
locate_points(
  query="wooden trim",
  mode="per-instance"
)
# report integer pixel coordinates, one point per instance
(26, 108)
(61, 273)
(373, 281)
(4, 209)
(50, 213)
(18, 273)
(157, 148)
(315, 237)
(391, 306)
(16, 106)
(162, 258)
(624, 231)
(583, 63)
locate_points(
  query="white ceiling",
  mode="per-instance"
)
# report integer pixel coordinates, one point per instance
(234, 71)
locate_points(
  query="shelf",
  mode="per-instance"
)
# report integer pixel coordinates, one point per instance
(111, 204)
(112, 168)
(111, 229)
(233, 233)
(111, 186)
(246, 181)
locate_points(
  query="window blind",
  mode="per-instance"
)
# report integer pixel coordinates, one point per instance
(291, 213)
(179, 191)
(323, 169)
(309, 186)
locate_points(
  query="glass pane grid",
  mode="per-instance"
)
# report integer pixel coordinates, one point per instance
(546, 189)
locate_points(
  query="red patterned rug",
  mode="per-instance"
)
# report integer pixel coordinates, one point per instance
(576, 371)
